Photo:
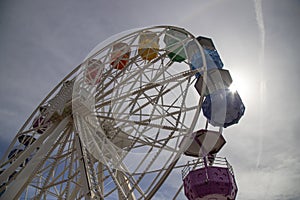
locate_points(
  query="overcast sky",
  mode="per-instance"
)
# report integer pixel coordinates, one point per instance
(42, 41)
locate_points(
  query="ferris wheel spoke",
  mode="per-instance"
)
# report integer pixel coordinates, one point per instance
(128, 78)
(153, 118)
(131, 137)
(146, 98)
(161, 180)
(109, 75)
(121, 180)
(158, 176)
(163, 116)
(153, 83)
(147, 124)
(150, 86)
(56, 161)
(149, 141)
(36, 162)
(163, 70)
(65, 165)
(122, 184)
(114, 78)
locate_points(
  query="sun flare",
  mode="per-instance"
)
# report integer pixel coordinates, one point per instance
(244, 86)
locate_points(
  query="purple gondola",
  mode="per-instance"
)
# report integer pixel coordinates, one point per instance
(210, 182)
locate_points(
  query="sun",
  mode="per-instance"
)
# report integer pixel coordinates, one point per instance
(244, 86)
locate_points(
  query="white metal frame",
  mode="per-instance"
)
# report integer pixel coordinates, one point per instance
(148, 102)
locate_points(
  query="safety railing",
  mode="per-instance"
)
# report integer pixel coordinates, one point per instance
(205, 163)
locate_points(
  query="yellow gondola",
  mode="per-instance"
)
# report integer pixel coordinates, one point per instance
(148, 45)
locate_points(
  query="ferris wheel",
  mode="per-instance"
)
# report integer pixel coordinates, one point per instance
(127, 124)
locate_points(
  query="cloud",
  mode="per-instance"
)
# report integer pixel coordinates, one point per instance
(260, 23)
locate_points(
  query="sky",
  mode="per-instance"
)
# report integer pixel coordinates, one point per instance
(42, 41)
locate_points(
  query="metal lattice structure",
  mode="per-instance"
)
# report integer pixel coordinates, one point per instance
(113, 127)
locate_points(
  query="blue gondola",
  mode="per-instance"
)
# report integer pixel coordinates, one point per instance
(223, 108)
(213, 60)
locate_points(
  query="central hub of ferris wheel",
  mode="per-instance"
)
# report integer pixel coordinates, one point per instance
(127, 119)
